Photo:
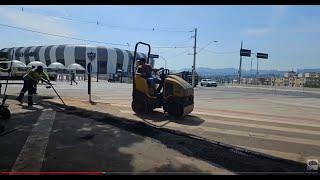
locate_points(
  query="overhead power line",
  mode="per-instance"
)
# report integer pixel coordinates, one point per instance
(101, 23)
(68, 37)
(174, 47)
(181, 53)
(205, 46)
(88, 40)
(230, 52)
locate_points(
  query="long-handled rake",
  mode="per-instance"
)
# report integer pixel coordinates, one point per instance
(50, 85)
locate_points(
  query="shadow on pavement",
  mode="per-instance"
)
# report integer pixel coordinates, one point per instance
(235, 159)
(82, 144)
(190, 120)
(157, 116)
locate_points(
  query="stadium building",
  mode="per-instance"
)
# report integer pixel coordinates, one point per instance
(105, 60)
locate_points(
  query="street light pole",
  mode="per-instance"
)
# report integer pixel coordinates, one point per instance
(194, 58)
(251, 69)
(257, 66)
(97, 70)
(257, 70)
(239, 78)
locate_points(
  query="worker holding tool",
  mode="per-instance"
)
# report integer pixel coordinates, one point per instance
(35, 87)
(30, 80)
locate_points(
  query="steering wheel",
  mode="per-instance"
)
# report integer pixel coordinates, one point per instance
(164, 73)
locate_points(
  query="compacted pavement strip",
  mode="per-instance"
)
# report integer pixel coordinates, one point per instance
(235, 159)
(50, 140)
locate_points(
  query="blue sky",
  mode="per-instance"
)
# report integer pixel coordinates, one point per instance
(290, 34)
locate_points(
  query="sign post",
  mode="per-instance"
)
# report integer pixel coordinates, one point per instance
(262, 56)
(243, 52)
(91, 56)
(89, 69)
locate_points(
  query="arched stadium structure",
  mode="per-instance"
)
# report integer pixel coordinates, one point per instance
(107, 59)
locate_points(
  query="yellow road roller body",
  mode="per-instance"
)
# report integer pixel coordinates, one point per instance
(175, 97)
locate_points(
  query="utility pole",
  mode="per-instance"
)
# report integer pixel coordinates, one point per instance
(97, 70)
(194, 58)
(251, 68)
(257, 70)
(257, 67)
(239, 79)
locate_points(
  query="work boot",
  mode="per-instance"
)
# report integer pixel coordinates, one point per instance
(19, 99)
(30, 102)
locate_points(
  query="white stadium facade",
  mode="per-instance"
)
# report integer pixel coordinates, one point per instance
(108, 60)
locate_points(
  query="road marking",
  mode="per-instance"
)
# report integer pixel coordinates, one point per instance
(121, 105)
(127, 111)
(292, 104)
(256, 119)
(277, 89)
(257, 135)
(33, 151)
(254, 134)
(245, 124)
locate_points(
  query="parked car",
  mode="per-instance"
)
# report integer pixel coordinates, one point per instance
(208, 83)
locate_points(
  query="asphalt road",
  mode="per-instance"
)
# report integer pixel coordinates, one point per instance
(282, 124)
(45, 139)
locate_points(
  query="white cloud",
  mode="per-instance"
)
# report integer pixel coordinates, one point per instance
(280, 6)
(36, 22)
(259, 31)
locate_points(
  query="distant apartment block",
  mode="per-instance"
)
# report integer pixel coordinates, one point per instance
(293, 79)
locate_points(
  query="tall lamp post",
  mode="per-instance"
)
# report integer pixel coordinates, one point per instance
(194, 55)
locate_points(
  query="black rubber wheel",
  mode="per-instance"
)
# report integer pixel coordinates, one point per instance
(141, 107)
(136, 107)
(175, 109)
(2, 128)
(5, 113)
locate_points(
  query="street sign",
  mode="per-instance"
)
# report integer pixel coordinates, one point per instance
(262, 55)
(245, 52)
(154, 56)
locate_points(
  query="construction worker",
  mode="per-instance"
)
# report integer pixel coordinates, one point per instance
(35, 87)
(31, 79)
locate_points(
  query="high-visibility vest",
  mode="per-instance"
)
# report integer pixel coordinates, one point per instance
(35, 76)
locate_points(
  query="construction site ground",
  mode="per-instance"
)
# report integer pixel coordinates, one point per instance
(232, 130)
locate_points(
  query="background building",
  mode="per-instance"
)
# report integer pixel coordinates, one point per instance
(105, 60)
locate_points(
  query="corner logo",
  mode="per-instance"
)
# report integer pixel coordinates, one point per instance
(312, 165)
(91, 56)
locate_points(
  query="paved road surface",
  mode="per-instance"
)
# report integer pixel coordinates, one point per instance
(42, 139)
(281, 124)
